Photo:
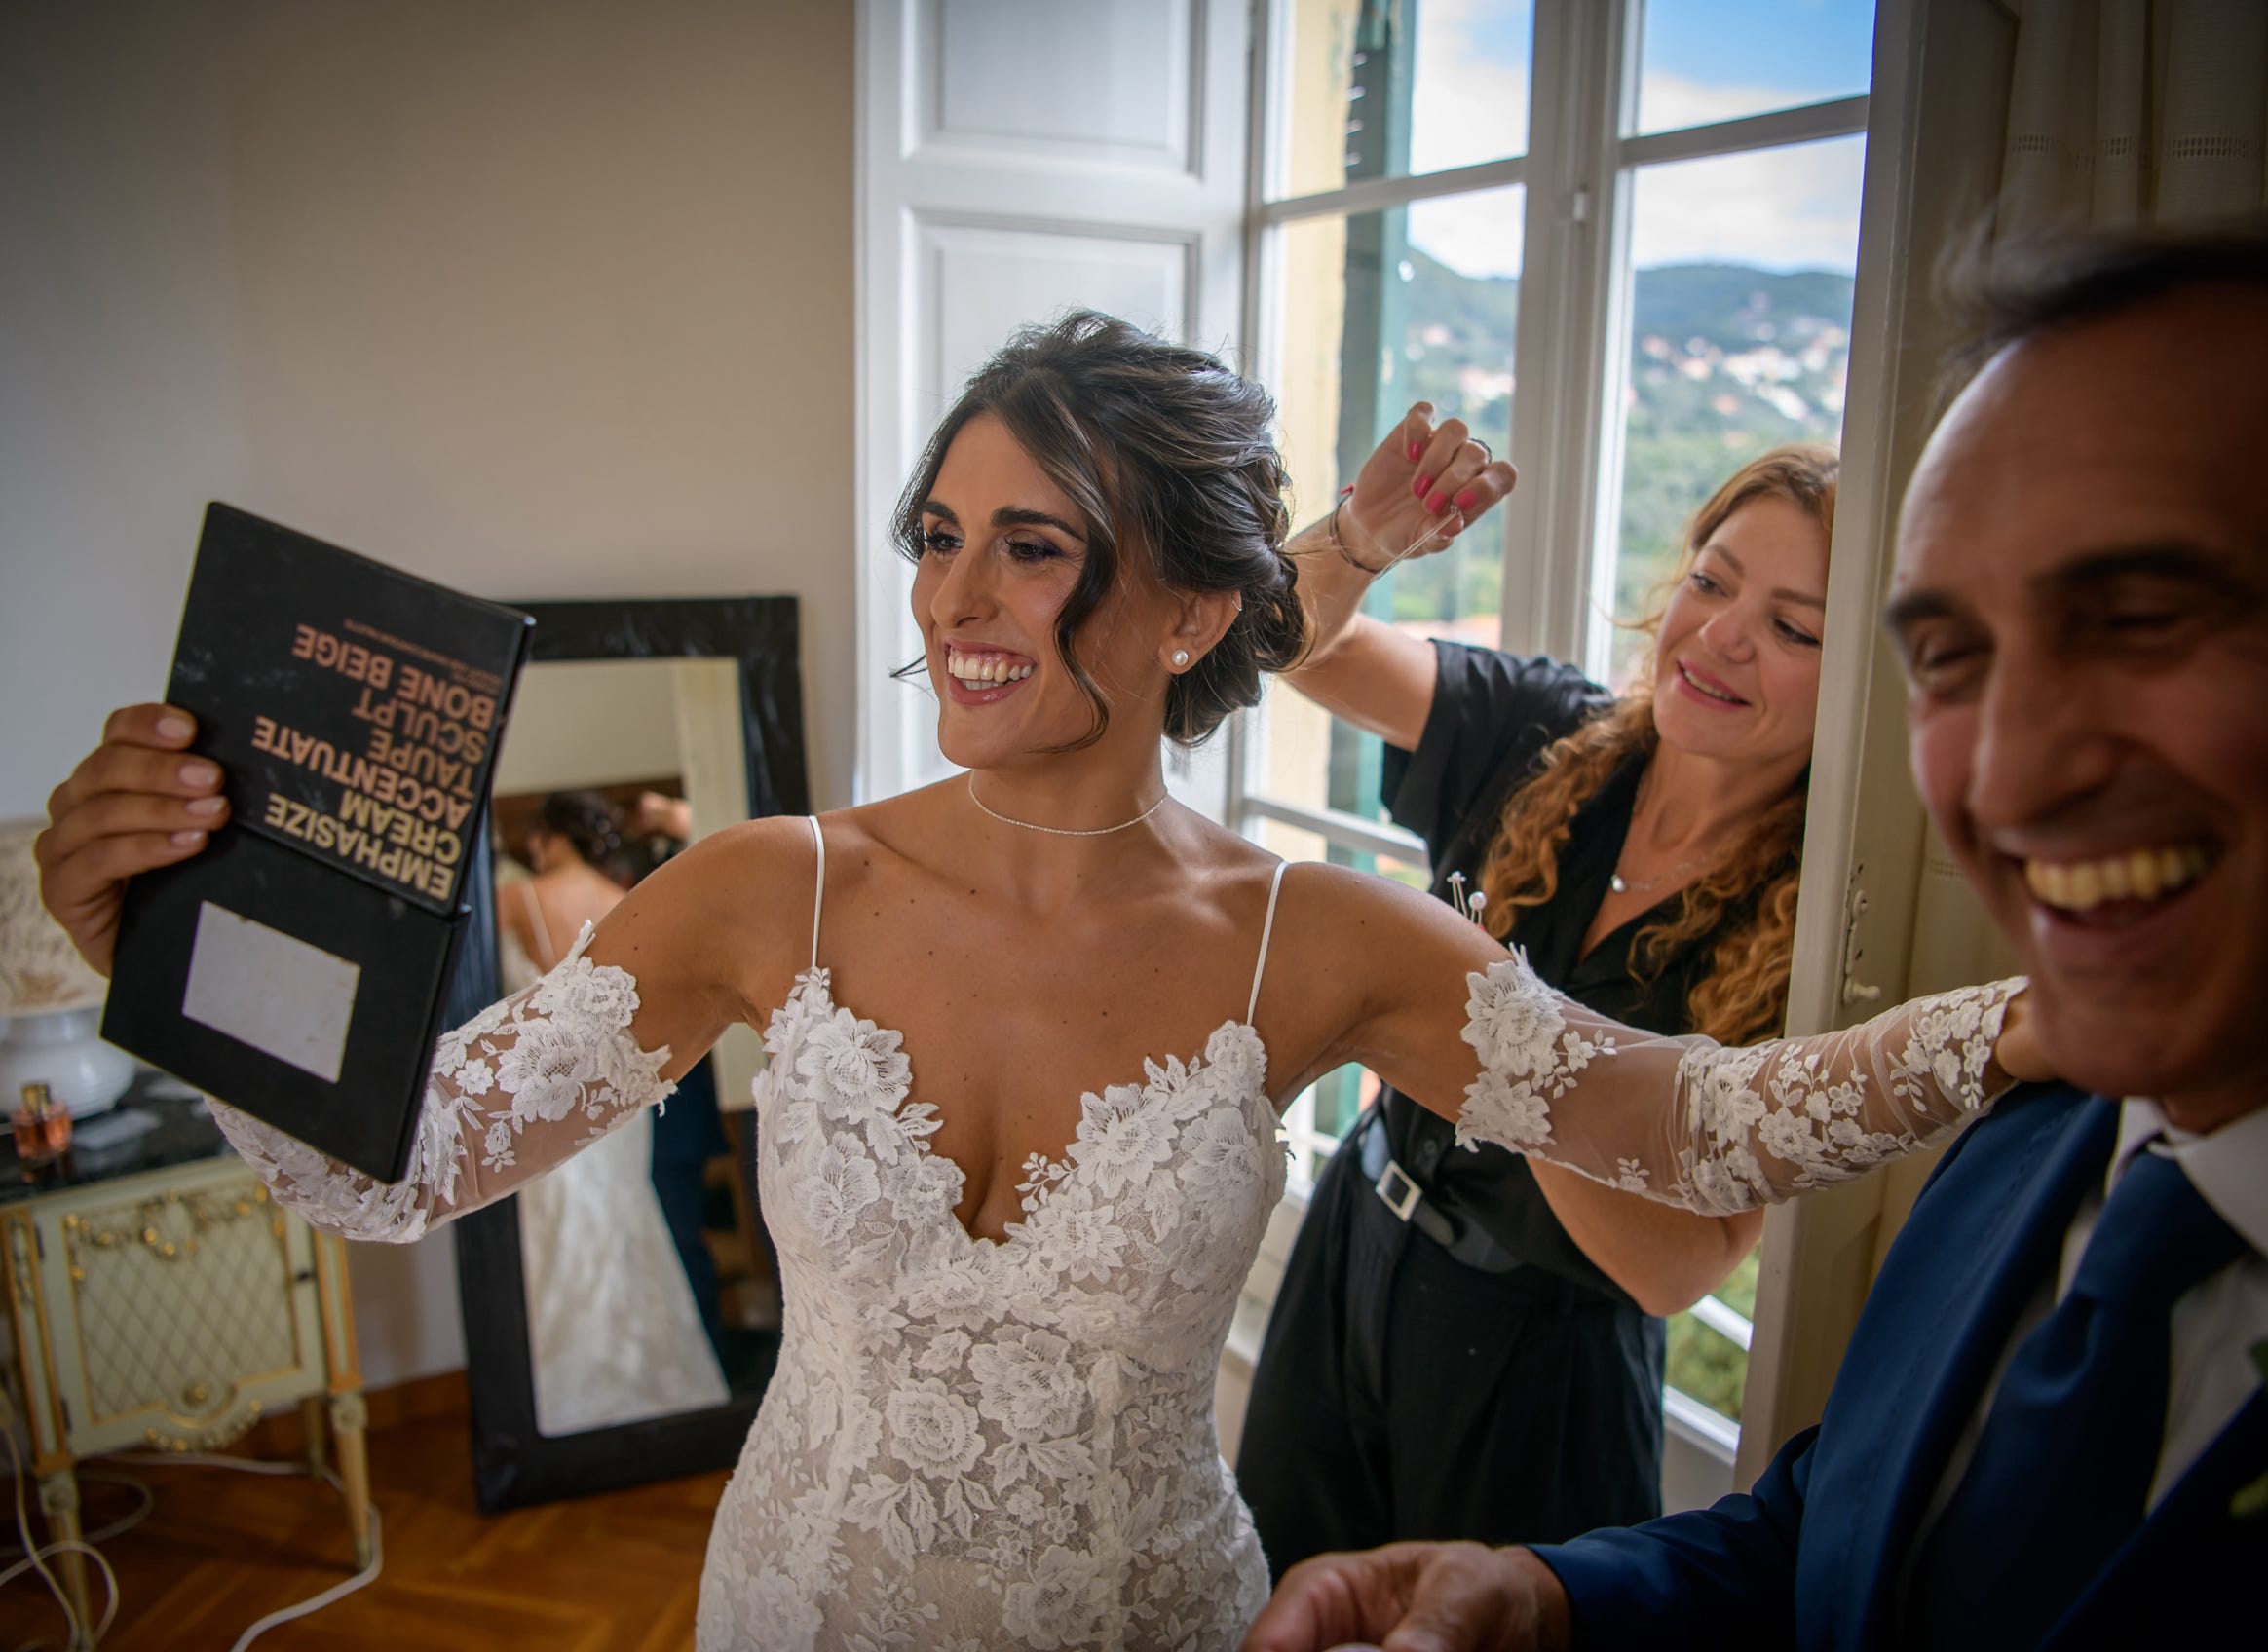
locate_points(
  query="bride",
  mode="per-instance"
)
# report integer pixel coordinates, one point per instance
(1028, 1030)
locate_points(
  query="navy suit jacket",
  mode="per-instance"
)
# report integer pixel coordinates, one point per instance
(1811, 1558)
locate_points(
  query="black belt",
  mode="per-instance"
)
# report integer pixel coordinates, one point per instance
(1466, 1241)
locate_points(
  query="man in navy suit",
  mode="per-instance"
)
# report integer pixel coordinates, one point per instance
(2049, 1430)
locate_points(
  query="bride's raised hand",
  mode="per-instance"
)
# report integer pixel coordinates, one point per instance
(1421, 487)
(2018, 1052)
(138, 801)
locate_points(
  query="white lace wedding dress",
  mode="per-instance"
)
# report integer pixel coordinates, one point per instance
(975, 1445)
(971, 1444)
(614, 1332)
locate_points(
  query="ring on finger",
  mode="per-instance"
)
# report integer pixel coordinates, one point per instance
(1488, 453)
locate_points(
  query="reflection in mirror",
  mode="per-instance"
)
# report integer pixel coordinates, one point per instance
(647, 1280)
(700, 701)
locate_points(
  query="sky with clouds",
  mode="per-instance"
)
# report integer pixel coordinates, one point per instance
(1701, 60)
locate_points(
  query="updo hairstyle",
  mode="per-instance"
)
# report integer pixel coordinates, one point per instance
(586, 821)
(1170, 459)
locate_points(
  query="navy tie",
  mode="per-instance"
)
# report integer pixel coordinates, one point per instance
(2064, 1463)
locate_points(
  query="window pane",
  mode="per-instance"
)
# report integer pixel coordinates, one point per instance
(1740, 335)
(1369, 100)
(1292, 843)
(1381, 310)
(1710, 1367)
(1707, 60)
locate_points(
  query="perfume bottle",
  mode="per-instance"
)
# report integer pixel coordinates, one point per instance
(43, 1129)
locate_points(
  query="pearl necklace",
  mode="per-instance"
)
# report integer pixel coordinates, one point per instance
(1065, 831)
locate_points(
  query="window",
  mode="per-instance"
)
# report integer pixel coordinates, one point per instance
(1615, 236)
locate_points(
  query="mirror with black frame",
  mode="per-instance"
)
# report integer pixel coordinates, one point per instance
(622, 1313)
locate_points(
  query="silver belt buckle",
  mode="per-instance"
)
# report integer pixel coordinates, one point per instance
(1402, 1199)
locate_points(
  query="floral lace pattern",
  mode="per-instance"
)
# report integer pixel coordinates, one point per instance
(515, 1089)
(1747, 1126)
(971, 1444)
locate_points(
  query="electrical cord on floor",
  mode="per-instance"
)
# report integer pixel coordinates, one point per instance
(336, 1591)
(203, 1460)
(78, 1634)
(35, 1554)
(117, 1527)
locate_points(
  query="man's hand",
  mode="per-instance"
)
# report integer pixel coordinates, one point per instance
(138, 801)
(1416, 1597)
(1418, 489)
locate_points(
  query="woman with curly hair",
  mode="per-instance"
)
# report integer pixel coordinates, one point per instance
(1460, 1349)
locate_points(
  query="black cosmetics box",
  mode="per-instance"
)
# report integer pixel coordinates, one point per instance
(296, 969)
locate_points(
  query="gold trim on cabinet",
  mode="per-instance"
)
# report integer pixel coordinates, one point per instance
(243, 1384)
(339, 1350)
(199, 1207)
(206, 1437)
(24, 1330)
(59, 1422)
(245, 1204)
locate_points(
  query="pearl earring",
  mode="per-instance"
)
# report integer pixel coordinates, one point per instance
(1180, 658)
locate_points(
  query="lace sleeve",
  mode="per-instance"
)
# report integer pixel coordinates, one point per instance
(1690, 1122)
(520, 1088)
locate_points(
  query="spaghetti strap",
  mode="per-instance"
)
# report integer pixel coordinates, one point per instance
(538, 929)
(1267, 928)
(820, 886)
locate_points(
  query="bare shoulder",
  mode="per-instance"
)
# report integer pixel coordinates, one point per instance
(1340, 895)
(1372, 925)
(885, 837)
(735, 901)
(758, 864)
(1232, 864)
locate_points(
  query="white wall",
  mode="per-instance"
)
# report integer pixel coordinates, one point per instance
(544, 298)
(590, 723)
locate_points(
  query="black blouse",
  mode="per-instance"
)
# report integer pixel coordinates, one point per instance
(1493, 716)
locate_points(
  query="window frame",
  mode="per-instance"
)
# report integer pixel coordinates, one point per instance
(1572, 349)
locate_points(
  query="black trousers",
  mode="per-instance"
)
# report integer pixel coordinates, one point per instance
(1401, 1395)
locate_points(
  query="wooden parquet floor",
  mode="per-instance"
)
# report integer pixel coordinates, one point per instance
(222, 1548)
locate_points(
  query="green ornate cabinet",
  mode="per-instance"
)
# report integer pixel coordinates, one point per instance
(170, 1308)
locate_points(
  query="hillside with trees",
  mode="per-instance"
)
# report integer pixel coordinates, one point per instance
(1726, 362)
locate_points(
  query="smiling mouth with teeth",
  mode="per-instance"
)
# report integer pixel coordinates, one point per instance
(1700, 688)
(985, 670)
(2138, 875)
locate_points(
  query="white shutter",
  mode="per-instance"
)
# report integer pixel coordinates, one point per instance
(1885, 914)
(1019, 158)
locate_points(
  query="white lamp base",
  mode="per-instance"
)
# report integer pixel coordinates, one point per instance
(61, 1049)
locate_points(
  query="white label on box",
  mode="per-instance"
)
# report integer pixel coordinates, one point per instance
(272, 991)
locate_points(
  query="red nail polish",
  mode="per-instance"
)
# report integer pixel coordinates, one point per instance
(1424, 486)
(1414, 452)
(1468, 500)
(1438, 503)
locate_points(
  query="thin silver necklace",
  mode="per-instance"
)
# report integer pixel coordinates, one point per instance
(1065, 831)
(1622, 886)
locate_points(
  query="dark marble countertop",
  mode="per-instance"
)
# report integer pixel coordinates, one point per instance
(180, 1131)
